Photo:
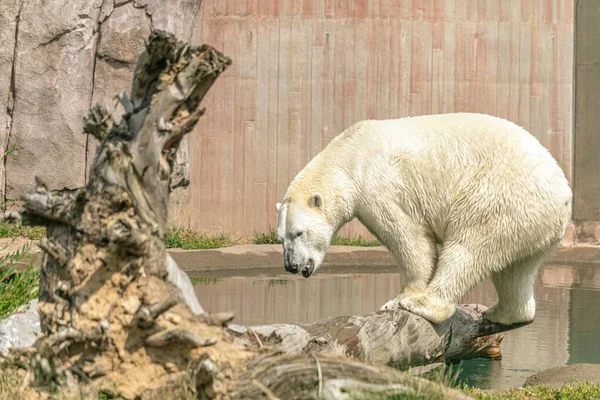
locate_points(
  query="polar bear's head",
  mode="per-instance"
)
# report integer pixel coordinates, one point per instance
(304, 233)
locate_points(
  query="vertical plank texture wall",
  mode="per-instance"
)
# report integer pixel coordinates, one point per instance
(305, 70)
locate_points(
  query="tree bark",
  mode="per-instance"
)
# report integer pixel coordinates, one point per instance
(115, 310)
(117, 313)
(397, 338)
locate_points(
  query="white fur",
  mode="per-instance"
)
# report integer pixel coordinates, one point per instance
(456, 198)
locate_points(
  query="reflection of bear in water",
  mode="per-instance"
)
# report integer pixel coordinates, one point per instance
(456, 198)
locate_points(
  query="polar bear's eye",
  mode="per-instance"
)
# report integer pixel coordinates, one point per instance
(298, 234)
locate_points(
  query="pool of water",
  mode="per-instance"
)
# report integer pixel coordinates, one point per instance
(566, 328)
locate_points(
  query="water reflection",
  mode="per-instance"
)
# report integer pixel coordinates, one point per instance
(565, 330)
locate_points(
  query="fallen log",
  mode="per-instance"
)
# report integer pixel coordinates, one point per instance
(397, 338)
(118, 314)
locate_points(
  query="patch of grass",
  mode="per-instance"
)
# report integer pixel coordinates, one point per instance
(16, 287)
(355, 241)
(271, 238)
(189, 239)
(29, 232)
(201, 280)
(266, 238)
(582, 391)
(447, 375)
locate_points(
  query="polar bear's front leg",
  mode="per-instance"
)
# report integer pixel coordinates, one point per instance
(429, 306)
(409, 287)
(415, 252)
(417, 299)
(461, 265)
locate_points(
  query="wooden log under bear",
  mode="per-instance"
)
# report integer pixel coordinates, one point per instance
(397, 338)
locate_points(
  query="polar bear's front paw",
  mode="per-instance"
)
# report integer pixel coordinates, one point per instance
(432, 308)
(393, 304)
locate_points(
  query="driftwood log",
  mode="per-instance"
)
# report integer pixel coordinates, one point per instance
(118, 314)
(397, 338)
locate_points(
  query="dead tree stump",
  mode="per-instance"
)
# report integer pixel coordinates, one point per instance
(108, 313)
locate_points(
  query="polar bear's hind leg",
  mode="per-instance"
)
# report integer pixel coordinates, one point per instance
(516, 302)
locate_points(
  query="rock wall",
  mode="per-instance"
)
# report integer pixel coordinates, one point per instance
(57, 58)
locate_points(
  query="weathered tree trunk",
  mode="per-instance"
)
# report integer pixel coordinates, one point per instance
(111, 308)
(396, 338)
(116, 311)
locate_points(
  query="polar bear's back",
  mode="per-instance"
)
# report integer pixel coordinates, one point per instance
(452, 144)
(472, 168)
(468, 136)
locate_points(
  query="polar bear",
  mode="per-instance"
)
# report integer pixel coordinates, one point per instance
(456, 198)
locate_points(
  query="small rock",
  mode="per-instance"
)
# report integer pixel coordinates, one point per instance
(21, 328)
(566, 375)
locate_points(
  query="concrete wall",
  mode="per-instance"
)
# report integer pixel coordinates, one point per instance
(302, 72)
(587, 118)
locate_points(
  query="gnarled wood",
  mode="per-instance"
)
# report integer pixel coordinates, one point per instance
(114, 307)
(396, 338)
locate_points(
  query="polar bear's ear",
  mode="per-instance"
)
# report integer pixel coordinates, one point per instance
(277, 207)
(316, 200)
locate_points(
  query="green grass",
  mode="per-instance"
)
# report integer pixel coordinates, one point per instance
(16, 287)
(448, 375)
(582, 391)
(189, 239)
(201, 280)
(266, 238)
(14, 231)
(271, 238)
(355, 241)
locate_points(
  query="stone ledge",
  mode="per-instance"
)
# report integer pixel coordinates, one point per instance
(344, 258)
(579, 247)
(266, 257)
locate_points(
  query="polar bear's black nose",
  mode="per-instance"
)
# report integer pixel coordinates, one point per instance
(309, 269)
(289, 267)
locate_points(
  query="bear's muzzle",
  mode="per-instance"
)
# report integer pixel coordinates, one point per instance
(289, 266)
(309, 269)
